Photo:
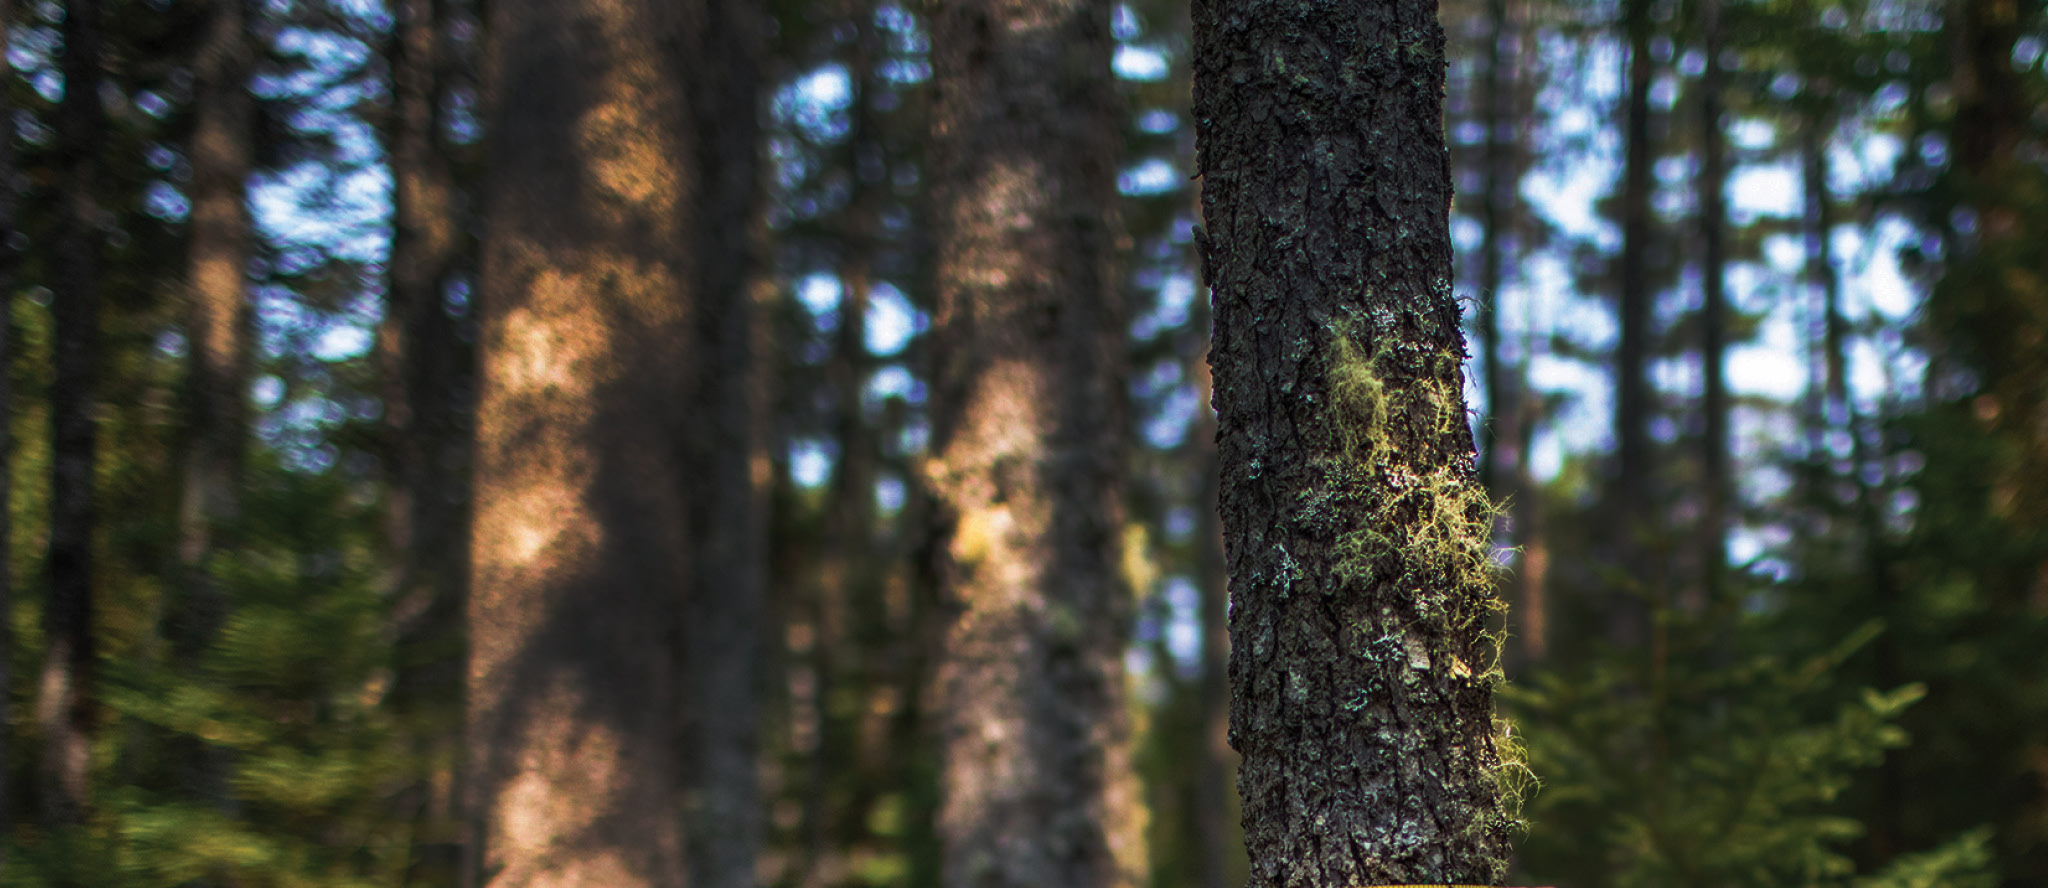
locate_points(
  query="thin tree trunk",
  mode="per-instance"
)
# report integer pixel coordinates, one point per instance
(66, 708)
(1629, 613)
(218, 315)
(1821, 326)
(1496, 202)
(583, 556)
(1713, 181)
(428, 370)
(727, 612)
(1532, 575)
(1357, 534)
(1028, 429)
(845, 576)
(9, 266)
(1993, 248)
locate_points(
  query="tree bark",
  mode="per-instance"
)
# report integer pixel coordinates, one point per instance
(1028, 424)
(1356, 531)
(428, 371)
(582, 550)
(66, 708)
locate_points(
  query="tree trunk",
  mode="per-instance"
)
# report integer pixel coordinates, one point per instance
(725, 617)
(1713, 180)
(1496, 203)
(1629, 612)
(218, 315)
(1356, 530)
(10, 264)
(1532, 566)
(847, 609)
(1990, 294)
(582, 550)
(66, 711)
(1028, 428)
(428, 369)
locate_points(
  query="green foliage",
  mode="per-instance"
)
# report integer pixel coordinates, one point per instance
(1662, 768)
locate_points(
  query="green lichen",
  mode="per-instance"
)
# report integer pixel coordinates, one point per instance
(1428, 525)
(1434, 517)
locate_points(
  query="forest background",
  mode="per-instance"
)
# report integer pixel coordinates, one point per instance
(1843, 551)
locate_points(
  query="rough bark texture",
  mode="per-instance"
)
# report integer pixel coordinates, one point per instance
(1713, 181)
(65, 704)
(1028, 423)
(1355, 527)
(428, 371)
(217, 321)
(582, 549)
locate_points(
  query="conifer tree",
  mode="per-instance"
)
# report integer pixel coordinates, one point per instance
(67, 705)
(582, 553)
(1356, 528)
(427, 369)
(1028, 419)
(218, 317)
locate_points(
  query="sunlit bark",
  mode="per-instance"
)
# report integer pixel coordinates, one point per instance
(1028, 430)
(582, 551)
(217, 324)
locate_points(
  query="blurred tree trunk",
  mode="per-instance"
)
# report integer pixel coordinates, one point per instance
(724, 628)
(583, 556)
(1993, 296)
(1358, 536)
(1826, 326)
(1532, 624)
(218, 316)
(428, 370)
(834, 820)
(1497, 188)
(1028, 430)
(1713, 181)
(1629, 611)
(66, 704)
(10, 264)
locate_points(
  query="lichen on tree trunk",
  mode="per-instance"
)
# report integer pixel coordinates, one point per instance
(1355, 527)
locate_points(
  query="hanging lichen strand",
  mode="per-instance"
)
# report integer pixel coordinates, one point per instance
(1356, 529)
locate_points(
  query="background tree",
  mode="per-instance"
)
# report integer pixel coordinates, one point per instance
(67, 705)
(582, 555)
(1028, 422)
